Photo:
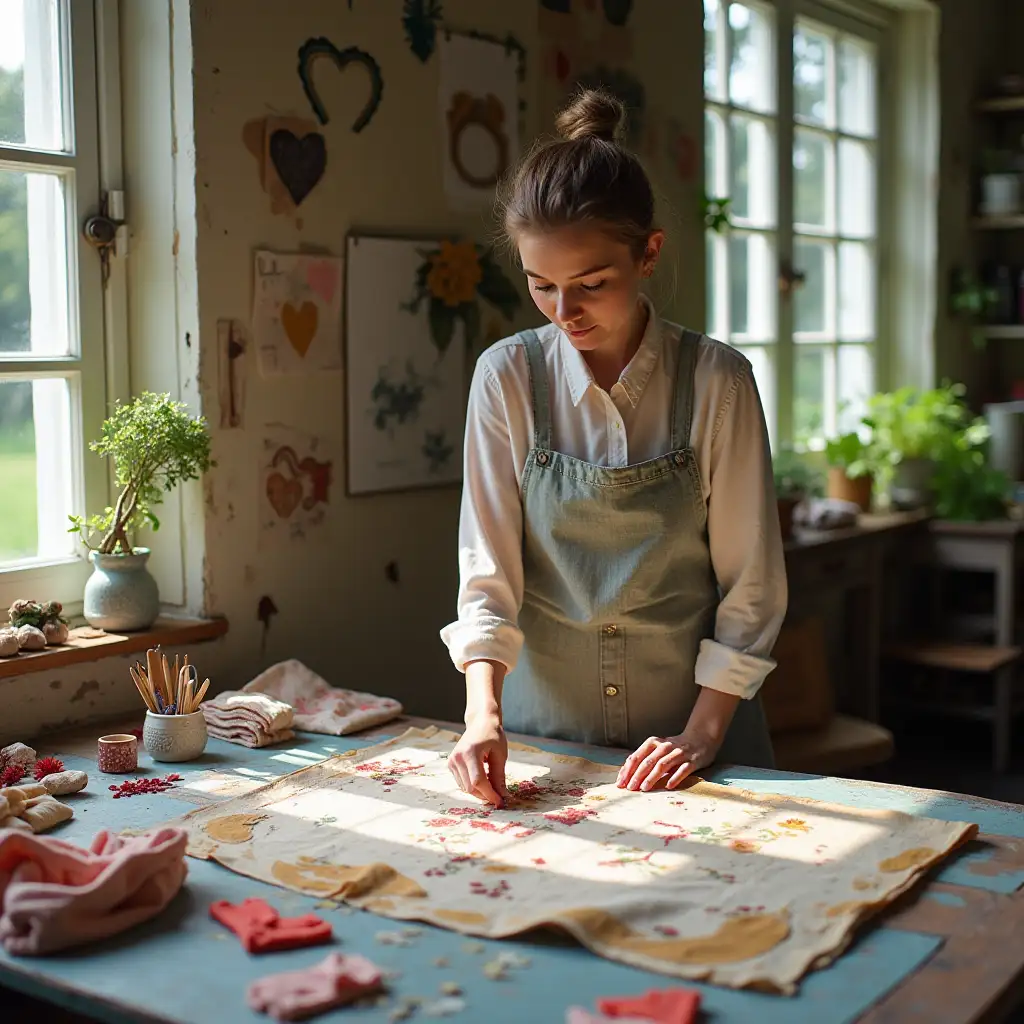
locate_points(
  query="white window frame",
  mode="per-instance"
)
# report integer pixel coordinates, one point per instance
(877, 25)
(97, 326)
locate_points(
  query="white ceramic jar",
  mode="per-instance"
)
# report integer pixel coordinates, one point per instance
(174, 737)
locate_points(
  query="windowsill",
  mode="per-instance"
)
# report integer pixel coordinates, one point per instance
(88, 644)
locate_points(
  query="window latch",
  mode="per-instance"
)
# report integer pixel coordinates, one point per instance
(106, 231)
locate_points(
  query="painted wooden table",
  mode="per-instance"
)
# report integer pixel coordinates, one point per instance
(950, 952)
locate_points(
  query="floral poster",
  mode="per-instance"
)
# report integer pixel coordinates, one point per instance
(706, 882)
(413, 317)
(296, 321)
(295, 484)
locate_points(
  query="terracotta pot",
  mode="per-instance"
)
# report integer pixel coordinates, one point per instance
(786, 508)
(857, 490)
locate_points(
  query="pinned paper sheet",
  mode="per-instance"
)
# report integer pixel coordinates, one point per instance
(479, 100)
(297, 312)
(295, 483)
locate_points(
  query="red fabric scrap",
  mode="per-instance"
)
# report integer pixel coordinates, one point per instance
(263, 930)
(663, 1006)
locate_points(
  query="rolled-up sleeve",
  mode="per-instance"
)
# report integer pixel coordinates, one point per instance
(490, 535)
(746, 546)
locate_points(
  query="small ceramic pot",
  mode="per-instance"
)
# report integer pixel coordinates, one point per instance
(856, 489)
(174, 737)
(121, 594)
(118, 753)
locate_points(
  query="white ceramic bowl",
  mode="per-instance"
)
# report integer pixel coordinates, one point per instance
(174, 737)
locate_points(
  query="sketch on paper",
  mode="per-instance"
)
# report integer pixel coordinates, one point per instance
(295, 484)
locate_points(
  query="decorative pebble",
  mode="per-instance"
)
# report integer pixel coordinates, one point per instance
(446, 1007)
(451, 988)
(9, 643)
(473, 947)
(30, 638)
(63, 783)
(441, 961)
(512, 960)
(495, 971)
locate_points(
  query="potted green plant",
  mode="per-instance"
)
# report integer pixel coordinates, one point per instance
(155, 444)
(910, 430)
(849, 470)
(966, 486)
(795, 480)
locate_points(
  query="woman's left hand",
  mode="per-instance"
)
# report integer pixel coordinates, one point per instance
(667, 760)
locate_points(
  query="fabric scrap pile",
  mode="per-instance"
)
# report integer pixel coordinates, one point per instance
(54, 895)
(262, 930)
(32, 806)
(335, 981)
(250, 719)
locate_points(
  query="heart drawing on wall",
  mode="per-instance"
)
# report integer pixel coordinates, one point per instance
(300, 325)
(323, 47)
(300, 163)
(284, 495)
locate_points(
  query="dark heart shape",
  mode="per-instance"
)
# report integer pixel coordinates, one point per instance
(323, 47)
(299, 163)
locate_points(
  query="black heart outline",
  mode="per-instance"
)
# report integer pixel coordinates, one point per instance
(323, 47)
(300, 162)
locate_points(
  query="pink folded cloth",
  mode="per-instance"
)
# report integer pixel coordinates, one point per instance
(295, 995)
(320, 707)
(54, 895)
(251, 719)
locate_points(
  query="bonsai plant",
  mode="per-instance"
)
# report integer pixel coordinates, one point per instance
(155, 444)
(849, 472)
(910, 431)
(795, 480)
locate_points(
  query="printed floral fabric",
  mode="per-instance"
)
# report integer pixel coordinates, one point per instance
(318, 706)
(706, 882)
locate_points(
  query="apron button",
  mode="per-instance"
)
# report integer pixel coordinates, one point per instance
(611, 630)
(678, 457)
(542, 458)
(611, 691)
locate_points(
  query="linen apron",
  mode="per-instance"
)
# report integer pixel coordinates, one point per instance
(619, 590)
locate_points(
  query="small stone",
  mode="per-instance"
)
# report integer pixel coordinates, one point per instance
(512, 960)
(18, 753)
(495, 970)
(63, 783)
(444, 1007)
(441, 961)
(30, 638)
(9, 643)
(55, 633)
(451, 988)
(473, 947)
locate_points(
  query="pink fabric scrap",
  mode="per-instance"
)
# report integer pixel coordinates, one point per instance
(54, 895)
(320, 707)
(296, 995)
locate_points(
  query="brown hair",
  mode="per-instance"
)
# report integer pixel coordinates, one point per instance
(585, 175)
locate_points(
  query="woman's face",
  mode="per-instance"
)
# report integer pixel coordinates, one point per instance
(586, 282)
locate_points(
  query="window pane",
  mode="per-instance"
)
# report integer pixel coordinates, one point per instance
(752, 277)
(856, 292)
(856, 75)
(752, 71)
(811, 57)
(716, 255)
(33, 265)
(712, 82)
(763, 364)
(809, 394)
(31, 105)
(855, 383)
(752, 189)
(856, 189)
(714, 149)
(812, 179)
(35, 416)
(811, 304)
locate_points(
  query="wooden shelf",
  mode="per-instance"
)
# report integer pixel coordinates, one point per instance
(1003, 222)
(1002, 105)
(997, 332)
(88, 644)
(979, 658)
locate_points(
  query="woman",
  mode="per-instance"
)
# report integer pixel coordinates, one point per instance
(622, 575)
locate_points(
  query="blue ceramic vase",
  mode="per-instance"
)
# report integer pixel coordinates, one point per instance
(121, 595)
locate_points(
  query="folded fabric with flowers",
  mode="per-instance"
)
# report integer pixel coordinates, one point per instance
(320, 707)
(54, 895)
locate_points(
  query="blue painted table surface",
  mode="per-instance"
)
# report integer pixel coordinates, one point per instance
(183, 967)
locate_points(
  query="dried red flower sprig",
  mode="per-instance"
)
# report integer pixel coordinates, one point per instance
(47, 766)
(12, 775)
(136, 787)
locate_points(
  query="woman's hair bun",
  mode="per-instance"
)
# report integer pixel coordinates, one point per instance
(593, 114)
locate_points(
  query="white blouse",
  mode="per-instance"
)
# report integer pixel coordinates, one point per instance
(626, 426)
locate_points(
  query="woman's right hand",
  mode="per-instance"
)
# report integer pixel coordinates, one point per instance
(478, 759)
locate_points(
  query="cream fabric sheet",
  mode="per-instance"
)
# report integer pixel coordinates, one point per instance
(708, 882)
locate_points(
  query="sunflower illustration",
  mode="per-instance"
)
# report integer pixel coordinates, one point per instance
(454, 273)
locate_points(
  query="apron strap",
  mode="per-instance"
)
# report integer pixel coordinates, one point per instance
(682, 407)
(539, 391)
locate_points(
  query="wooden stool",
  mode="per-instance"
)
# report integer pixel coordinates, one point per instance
(978, 659)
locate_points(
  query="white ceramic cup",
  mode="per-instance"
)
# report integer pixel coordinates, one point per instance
(174, 737)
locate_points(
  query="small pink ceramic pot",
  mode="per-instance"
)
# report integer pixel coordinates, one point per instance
(117, 753)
